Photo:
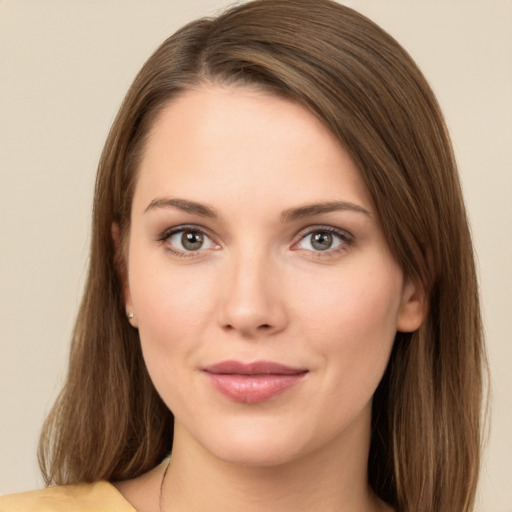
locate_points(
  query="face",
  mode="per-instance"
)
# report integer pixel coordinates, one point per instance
(266, 297)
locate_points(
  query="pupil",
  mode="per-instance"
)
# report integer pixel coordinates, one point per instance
(322, 241)
(192, 240)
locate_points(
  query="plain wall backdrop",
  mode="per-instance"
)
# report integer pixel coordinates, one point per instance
(64, 68)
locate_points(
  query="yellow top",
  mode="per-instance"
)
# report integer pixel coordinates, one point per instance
(97, 497)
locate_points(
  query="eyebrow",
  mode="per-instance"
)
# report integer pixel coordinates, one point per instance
(184, 205)
(310, 210)
(289, 215)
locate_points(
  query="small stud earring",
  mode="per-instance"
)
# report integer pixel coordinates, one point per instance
(130, 315)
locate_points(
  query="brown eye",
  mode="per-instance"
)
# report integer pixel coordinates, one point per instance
(188, 240)
(192, 240)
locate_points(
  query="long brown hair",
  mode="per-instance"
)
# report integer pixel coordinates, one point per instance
(109, 423)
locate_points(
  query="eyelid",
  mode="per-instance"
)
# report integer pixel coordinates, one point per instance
(346, 238)
(324, 227)
(169, 232)
(342, 233)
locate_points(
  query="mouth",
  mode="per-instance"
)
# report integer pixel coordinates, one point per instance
(252, 383)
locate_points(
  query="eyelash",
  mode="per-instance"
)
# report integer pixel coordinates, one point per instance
(345, 239)
(168, 233)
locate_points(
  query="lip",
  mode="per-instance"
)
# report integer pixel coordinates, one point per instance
(255, 382)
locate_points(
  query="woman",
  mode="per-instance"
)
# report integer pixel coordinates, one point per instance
(281, 258)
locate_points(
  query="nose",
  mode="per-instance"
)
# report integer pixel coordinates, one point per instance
(252, 297)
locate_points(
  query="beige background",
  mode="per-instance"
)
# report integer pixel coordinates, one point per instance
(64, 68)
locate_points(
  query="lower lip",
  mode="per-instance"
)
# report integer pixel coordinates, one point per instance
(253, 389)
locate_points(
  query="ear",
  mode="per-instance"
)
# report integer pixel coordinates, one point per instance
(414, 307)
(122, 271)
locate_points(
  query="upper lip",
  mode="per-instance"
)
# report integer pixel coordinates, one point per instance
(254, 368)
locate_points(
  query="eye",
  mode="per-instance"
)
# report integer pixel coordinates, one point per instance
(324, 240)
(183, 240)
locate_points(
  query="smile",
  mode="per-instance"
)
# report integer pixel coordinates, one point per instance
(254, 382)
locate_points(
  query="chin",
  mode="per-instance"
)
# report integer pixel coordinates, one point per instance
(257, 444)
(257, 454)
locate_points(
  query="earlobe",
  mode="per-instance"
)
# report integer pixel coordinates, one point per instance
(414, 307)
(122, 272)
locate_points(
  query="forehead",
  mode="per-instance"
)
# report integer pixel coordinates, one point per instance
(217, 142)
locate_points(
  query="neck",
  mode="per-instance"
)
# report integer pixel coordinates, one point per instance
(333, 478)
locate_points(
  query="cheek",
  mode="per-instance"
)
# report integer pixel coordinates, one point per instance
(172, 306)
(353, 322)
(171, 311)
(355, 301)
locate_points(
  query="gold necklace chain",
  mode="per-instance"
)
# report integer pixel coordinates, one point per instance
(162, 501)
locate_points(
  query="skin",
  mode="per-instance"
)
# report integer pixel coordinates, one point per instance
(260, 289)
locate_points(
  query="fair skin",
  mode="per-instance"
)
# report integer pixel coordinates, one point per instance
(228, 259)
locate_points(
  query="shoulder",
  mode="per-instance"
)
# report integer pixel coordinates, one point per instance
(96, 497)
